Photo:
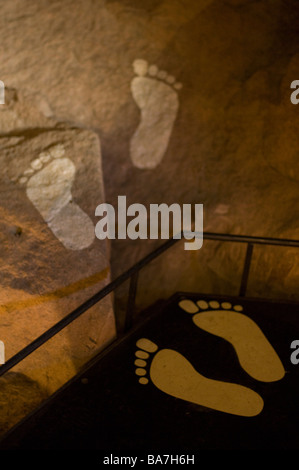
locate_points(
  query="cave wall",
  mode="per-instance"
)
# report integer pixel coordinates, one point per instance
(177, 101)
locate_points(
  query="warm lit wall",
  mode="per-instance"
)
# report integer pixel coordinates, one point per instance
(215, 127)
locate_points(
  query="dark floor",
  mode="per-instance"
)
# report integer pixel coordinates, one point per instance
(107, 409)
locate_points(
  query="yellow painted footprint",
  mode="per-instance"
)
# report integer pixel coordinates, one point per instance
(173, 374)
(255, 353)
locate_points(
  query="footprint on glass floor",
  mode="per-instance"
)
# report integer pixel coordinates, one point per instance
(48, 184)
(174, 375)
(256, 355)
(156, 94)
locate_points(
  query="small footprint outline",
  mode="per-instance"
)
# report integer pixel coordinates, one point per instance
(156, 94)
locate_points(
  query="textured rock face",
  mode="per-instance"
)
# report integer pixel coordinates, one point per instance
(51, 181)
(191, 101)
(53, 262)
(19, 395)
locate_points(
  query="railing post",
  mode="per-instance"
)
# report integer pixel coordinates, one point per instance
(246, 269)
(131, 301)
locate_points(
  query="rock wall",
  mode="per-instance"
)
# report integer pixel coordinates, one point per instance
(51, 180)
(191, 101)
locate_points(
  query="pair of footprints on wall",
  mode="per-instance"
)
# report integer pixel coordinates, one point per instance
(174, 375)
(51, 175)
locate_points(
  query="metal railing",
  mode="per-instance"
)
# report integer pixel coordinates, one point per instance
(133, 274)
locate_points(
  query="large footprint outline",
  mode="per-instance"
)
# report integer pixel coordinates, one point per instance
(174, 375)
(49, 182)
(255, 353)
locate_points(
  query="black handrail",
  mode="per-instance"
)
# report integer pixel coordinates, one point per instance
(132, 274)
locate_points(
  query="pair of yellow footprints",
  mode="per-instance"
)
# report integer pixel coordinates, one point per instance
(173, 374)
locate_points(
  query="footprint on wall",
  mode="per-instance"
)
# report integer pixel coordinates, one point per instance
(156, 94)
(48, 183)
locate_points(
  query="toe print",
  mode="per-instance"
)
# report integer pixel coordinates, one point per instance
(48, 183)
(147, 347)
(255, 353)
(155, 93)
(173, 374)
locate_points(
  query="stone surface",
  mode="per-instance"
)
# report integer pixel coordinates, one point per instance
(51, 182)
(232, 144)
(19, 396)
